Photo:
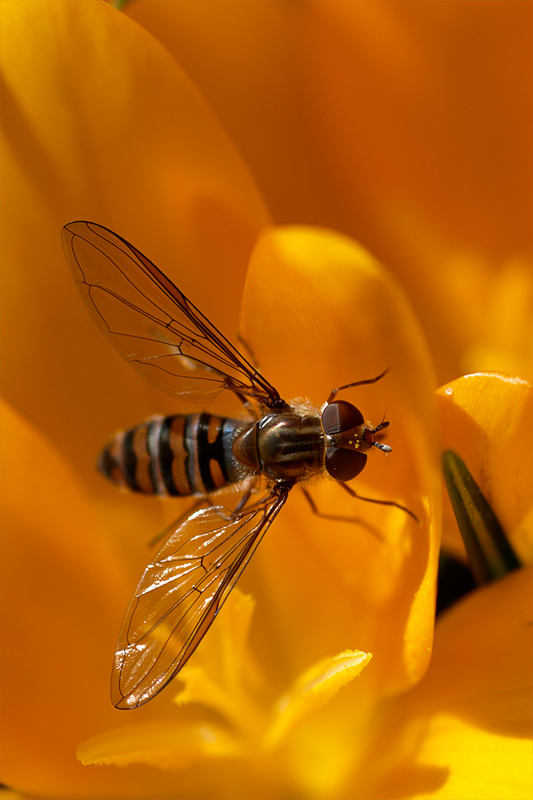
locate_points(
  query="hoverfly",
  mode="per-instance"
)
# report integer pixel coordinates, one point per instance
(168, 340)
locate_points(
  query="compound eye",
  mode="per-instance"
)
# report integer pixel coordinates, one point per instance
(340, 416)
(343, 465)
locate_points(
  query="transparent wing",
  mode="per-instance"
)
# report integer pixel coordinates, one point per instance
(154, 327)
(181, 592)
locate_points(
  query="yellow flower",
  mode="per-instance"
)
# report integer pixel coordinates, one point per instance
(404, 125)
(100, 122)
(465, 729)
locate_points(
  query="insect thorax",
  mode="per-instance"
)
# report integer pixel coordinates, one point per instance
(283, 446)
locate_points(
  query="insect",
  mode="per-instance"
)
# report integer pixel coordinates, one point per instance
(275, 446)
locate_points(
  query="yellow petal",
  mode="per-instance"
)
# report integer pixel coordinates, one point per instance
(226, 652)
(319, 312)
(63, 593)
(387, 160)
(222, 675)
(158, 744)
(7, 794)
(100, 123)
(312, 690)
(242, 56)
(465, 730)
(355, 69)
(324, 99)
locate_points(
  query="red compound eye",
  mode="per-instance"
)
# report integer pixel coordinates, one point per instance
(340, 416)
(343, 465)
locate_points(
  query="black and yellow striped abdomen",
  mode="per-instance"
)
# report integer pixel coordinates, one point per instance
(176, 455)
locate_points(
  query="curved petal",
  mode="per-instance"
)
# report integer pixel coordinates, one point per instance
(63, 592)
(328, 95)
(319, 312)
(100, 123)
(471, 715)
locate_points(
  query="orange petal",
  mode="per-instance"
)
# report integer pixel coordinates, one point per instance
(320, 312)
(100, 123)
(63, 591)
(465, 730)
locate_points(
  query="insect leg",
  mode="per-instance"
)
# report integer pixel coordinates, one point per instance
(244, 499)
(249, 406)
(356, 383)
(339, 518)
(352, 493)
(202, 501)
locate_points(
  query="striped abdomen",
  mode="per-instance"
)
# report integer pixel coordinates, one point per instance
(177, 455)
